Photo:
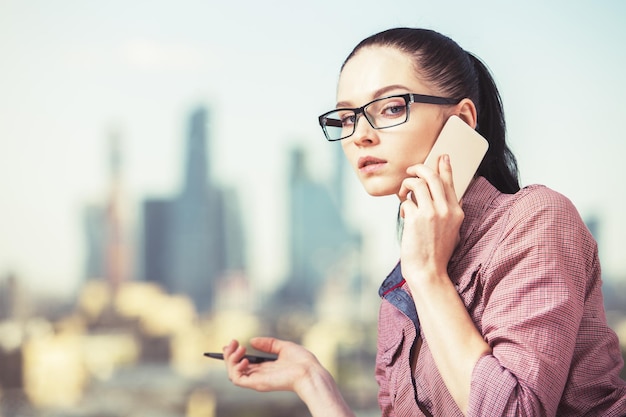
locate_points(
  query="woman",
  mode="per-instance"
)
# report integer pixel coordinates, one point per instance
(495, 307)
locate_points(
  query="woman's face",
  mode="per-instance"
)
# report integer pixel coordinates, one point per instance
(380, 158)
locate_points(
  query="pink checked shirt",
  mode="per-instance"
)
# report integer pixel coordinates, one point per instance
(527, 271)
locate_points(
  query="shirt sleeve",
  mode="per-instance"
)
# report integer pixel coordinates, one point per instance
(384, 400)
(534, 289)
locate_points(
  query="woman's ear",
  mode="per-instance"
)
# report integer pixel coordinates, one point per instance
(466, 110)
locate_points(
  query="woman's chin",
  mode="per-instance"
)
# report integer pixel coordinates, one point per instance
(380, 191)
(380, 186)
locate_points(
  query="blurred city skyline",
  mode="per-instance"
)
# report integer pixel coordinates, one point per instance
(71, 72)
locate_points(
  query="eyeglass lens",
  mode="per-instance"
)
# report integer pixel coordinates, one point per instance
(381, 114)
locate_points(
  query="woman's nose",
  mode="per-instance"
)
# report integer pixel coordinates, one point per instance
(364, 134)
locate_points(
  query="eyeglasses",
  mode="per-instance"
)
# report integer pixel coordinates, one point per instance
(381, 113)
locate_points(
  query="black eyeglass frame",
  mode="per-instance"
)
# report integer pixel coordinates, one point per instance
(408, 99)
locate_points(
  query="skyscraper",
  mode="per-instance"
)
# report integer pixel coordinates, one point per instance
(194, 239)
(109, 247)
(320, 242)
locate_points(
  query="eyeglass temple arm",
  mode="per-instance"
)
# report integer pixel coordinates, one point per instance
(333, 122)
(422, 98)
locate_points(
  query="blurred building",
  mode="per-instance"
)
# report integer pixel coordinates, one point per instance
(109, 245)
(322, 245)
(9, 297)
(192, 241)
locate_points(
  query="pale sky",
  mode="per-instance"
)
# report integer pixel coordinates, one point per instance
(71, 70)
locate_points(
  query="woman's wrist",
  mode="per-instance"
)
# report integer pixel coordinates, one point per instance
(319, 391)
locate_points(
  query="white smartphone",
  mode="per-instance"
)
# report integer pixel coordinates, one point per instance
(466, 148)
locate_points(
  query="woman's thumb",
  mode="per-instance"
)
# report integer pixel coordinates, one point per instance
(266, 344)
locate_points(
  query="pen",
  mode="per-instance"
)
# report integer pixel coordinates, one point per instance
(251, 358)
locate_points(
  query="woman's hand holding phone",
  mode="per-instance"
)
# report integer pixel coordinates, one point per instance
(432, 219)
(431, 194)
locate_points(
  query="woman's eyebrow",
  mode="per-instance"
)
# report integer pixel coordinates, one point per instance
(376, 94)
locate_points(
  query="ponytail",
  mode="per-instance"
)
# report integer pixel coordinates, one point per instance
(499, 165)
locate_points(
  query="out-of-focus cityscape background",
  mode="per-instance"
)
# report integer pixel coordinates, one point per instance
(165, 187)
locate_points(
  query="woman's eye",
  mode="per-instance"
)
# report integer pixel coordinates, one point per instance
(394, 109)
(347, 120)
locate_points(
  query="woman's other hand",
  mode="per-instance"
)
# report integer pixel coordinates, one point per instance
(296, 369)
(291, 367)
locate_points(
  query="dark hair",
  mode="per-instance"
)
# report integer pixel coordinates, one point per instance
(458, 74)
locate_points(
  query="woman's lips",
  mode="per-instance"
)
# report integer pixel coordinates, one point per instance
(370, 164)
